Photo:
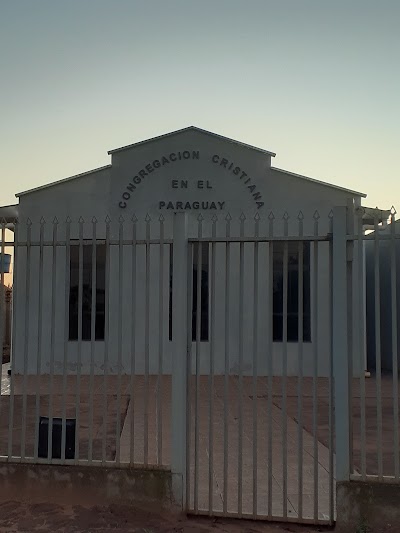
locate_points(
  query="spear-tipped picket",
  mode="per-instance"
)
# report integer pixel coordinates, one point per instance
(285, 223)
(228, 219)
(300, 218)
(271, 218)
(256, 224)
(316, 217)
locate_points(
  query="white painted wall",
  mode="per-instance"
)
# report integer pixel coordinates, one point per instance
(99, 193)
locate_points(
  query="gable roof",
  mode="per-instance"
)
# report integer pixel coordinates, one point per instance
(319, 182)
(64, 180)
(193, 128)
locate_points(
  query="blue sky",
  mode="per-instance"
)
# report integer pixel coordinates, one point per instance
(316, 81)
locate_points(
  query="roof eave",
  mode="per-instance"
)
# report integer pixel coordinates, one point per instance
(115, 150)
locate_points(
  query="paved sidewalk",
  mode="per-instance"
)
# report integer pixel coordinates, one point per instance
(18, 517)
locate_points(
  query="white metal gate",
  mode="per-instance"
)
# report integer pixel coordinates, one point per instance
(232, 350)
(260, 389)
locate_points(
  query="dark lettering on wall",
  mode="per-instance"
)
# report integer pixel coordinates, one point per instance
(149, 168)
(175, 157)
(237, 171)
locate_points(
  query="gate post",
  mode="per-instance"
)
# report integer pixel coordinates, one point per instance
(340, 344)
(179, 358)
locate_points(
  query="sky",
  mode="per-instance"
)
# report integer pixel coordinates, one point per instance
(316, 81)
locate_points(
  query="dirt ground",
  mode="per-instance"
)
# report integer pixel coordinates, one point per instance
(16, 517)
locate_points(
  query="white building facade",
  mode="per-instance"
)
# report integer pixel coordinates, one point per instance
(127, 209)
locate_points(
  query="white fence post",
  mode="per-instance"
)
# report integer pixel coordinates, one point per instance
(340, 344)
(179, 358)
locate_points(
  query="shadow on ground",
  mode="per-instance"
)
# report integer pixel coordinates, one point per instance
(16, 517)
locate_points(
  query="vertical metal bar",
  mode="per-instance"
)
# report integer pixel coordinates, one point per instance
(270, 329)
(315, 365)
(361, 351)
(198, 356)
(52, 342)
(160, 344)
(147, 347)
(189, 369)
(284, 365)
(255, 366)
(12, 377)
(66, 331)
(190, 261)
(26, 334)
(395, 376)
(14, 334)
(120, 318)
(339, 344)
(79, 354)
(93, 317)
(241, 349)
(330, 381)
(211, 374)
(179, 359)
(300, 339)
(226, 362)
(133, 344)
(106, 342)
(52, 339)
(352, 347)
(378, 348)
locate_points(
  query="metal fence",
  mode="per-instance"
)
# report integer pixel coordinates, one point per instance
(232, 351)
(84, 387)
(375, 395)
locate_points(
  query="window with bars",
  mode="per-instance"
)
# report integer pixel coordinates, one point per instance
(87, 269)
(204, 292)
(292, 292)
